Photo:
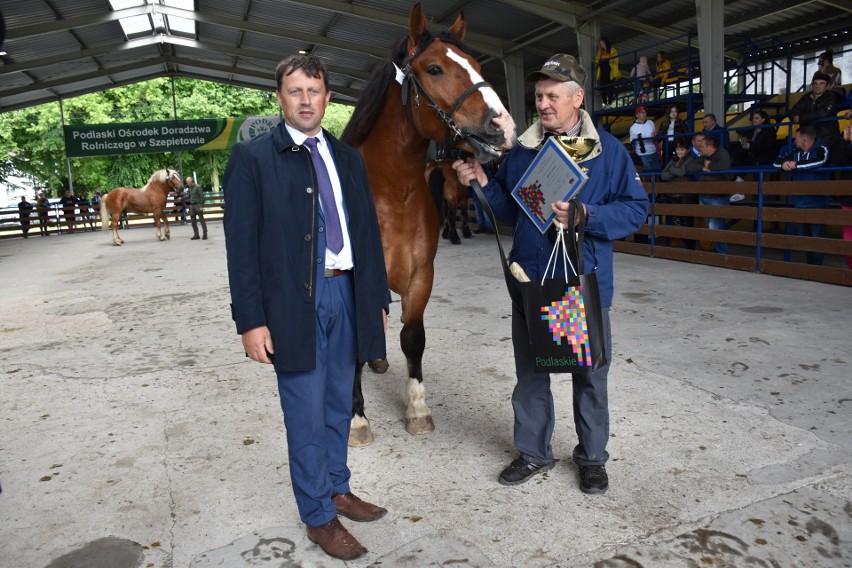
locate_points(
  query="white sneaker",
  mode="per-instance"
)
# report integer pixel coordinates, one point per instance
(736, 197)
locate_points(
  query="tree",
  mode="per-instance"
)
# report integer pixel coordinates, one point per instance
(32, 144)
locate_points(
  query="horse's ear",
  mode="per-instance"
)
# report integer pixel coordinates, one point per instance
(416, 27)
(458, 27)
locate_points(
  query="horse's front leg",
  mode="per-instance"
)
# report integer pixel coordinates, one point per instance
(157, 224)
(359, 429)
(165, 219)
(451, 220)
(418, 417)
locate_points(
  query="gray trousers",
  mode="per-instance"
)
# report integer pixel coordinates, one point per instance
(532, 401)
(195, 210)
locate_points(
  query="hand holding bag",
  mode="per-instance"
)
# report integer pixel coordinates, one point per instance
(563, 314)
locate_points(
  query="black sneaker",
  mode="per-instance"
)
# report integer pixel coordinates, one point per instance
(520, 470)
(593, 479)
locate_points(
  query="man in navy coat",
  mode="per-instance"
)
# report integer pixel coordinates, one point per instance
(311, 309)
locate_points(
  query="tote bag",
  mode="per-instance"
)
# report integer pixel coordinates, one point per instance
(563, 312)
(563, 315)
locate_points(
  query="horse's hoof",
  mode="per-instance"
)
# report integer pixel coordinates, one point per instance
(116, 243)
(466, 232)
(168, 237)
(455, 239)
(379, 366)
(360, 437)
(420, 425)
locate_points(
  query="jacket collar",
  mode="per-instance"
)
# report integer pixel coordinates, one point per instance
(533, 137)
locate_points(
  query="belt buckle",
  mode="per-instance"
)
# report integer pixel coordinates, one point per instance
(328, 272)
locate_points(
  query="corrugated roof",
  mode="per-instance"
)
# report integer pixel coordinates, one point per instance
(62, 48)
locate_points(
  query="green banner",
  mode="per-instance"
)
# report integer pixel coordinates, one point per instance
(165, 136)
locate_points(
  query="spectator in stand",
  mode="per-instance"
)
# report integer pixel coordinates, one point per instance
(675, 171)
(758, 145)
(674, 129)
(835, 76)
(662, 69)
(642, 134)
(606, 60)
(25, 209)
(695, 153)
(69, 209)
(712, 128)
(43, 212)
(818, 104)
(641, 74)
(85, 212)
(715, 159)
(846, 200)
(802, 161)
(96, 205)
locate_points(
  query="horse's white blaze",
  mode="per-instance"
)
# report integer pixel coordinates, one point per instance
(415, 400)
(492, 99)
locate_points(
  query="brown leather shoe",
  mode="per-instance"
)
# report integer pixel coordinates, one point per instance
(336, 541)
(354, 508)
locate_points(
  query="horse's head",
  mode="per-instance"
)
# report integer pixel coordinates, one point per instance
(449, 100)
(173, 179)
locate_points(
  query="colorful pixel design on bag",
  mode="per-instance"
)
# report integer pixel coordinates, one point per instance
(567, 318)
(533, 198)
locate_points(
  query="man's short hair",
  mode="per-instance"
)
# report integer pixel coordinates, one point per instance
(808, 131)
(762, 113)
(698, 135)
(711, 115)
(711, 141)
(310, 65)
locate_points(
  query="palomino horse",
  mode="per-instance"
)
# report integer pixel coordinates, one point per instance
(429, 90)
(443, 181)
(149, 199)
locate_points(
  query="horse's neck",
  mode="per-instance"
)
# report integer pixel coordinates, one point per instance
(395, 135)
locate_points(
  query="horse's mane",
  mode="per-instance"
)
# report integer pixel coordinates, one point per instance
(372, 98)
(160, 176)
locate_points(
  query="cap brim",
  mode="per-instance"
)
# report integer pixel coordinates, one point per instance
(538, 75)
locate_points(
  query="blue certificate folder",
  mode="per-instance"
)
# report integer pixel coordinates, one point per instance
(552, 176)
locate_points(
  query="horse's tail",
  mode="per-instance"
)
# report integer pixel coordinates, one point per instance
(104, 213)
(436, 187)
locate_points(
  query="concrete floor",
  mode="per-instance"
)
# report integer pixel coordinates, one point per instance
(135, 432)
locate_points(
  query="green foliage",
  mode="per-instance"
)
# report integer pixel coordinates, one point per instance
(32, 144)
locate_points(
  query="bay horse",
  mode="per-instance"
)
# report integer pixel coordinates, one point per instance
(444, 182)
(429, 89)
(149, 199)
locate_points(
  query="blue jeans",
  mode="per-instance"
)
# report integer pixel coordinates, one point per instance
(716, 223)
(812, 230)
(532, 401)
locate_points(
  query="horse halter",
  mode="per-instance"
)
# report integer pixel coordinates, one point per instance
(410, 81)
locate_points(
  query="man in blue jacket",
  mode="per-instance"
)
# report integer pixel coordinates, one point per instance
(308, 289)
(615, 205)
(803, 161)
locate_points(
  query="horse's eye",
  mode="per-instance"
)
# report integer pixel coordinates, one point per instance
(434, 70)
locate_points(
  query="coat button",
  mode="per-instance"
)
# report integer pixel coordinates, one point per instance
(319, 259)
(322, 229)
(307, 285)
(308, 237)
(309, 189)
